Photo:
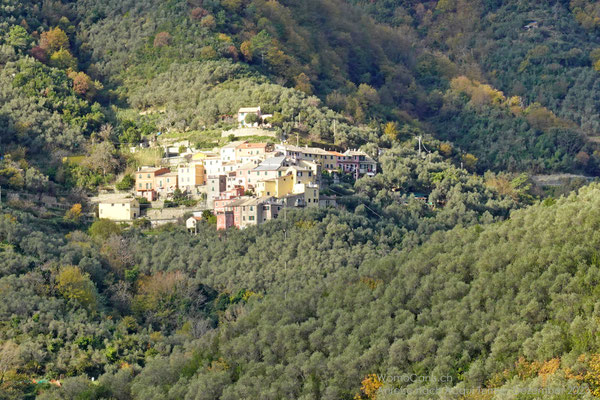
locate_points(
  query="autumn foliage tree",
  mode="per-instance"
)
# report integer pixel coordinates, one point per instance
(54, 40)
(391, 130)
(162, 39)
(208, 22)
(77, 287)
(39, 54)
(74, 213)
(303, 84)
(370, 386)
(198, 13)
(63, 59)
(83, 85)
(246, 49)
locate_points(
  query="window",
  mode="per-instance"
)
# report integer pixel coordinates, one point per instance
(251, 218)
(309, 173)
(140, 185)
(140, 176)
(148, 175)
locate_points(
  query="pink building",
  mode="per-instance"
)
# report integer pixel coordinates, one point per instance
(358, 163)
(221, 202)
(224, 220)
(242, 173)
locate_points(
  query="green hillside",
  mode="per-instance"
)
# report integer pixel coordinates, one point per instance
(162, 314)
(330, 71)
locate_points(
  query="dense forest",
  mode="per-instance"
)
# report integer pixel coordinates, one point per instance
(449, 262)
(107, 302)
(389, 285)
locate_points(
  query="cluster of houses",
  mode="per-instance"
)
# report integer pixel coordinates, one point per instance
(243, 183)
(249, 183)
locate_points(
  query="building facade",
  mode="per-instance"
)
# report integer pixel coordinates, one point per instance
(145, 181)
(216, 184)
(358, 163)
(119, 209)
(191, 175)
(167, 183)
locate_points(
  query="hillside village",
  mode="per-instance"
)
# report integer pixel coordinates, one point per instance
(242, 183)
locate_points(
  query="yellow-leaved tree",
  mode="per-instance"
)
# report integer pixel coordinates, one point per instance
(370, 386)
(77, 287)
(391, 130)
(74, 213)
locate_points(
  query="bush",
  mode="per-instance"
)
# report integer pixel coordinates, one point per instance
(104, 228)
(126, 183)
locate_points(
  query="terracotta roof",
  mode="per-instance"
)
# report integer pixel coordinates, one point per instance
(150, 169)
(170, 174)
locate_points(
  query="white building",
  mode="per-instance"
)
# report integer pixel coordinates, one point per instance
(119, 208)
(191, 175)
(228, 152)
(213, 166)
(244, 112)
(261, 118)
(192, 224)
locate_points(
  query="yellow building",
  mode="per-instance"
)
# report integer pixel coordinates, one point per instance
(301, 174)
(167, 183)
(276, 187)
(311, 195)
(308, 196)
(145, 181)
(119, 209)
